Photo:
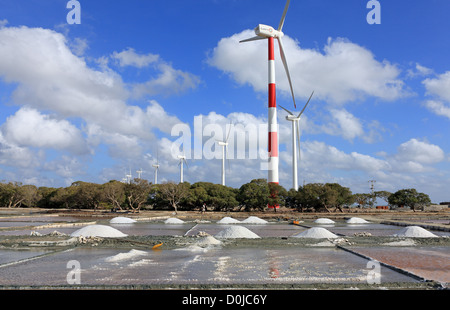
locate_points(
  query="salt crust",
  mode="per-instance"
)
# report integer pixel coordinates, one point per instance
(316, 232)
(415, 231)
(173, 220)
(237, 232)
(98, 231)
(125, 256)
(122, 220)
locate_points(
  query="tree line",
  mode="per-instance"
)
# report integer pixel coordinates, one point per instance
(255, 195)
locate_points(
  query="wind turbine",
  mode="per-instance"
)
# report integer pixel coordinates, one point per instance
(139, 172)
(295, 134)
(268, 32)
(129, 176)
(224, 145)
(182, 159)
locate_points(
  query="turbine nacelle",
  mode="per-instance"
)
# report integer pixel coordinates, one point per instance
(222, 143)
(265, 31)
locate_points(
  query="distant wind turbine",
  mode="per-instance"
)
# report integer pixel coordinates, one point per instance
(156, 166)
(295, 137)
(268, 32)
(139, 172)
(182, 159)
(224, 145)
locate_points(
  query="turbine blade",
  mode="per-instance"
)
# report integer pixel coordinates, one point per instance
(306, 104)
(286, 110)
(283, 16)
(228, 135)
(252, 39)
(283, 58)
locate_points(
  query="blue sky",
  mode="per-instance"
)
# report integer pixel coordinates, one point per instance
(92, 101)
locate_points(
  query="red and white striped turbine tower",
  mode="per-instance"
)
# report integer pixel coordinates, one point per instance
(267, 32)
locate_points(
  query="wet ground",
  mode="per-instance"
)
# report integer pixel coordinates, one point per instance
(36, 250)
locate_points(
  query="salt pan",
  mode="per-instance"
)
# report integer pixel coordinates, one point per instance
(415, 231)
(98, 231)
(316, 232)
(125, 256)
(356, 220)
(324, 221)
(173, 220)
(228, 220)
(237, 232)
(122, 220)
(254, 220)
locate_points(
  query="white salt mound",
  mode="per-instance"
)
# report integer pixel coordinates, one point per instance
(324, 221)
(316, 232)
(208, 240)
(228, 220)
(254, 220)
(356, 220)
(125, 256)
(415, 231)
(173, 220)
(237, 232)
(122, 220)
(98, 231)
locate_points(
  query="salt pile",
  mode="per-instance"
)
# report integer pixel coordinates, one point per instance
(228, 220)
(208, 240)
(415, 231)
(237, 232)
(316, 232)
(125, 256)
(173, 220)
(324, 221)
(98, 231)
(356, 220)
(254, 220)
(122, 220)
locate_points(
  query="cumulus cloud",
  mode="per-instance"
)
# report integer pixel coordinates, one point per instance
(29, 127)
(129, 57)
(439, 87)
(419, 152)
(343, 71)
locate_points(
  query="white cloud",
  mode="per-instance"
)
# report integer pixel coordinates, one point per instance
(29, 127)
(344, 71)
(419, 152)
(350, 127)
(129, 57)
(439, 87)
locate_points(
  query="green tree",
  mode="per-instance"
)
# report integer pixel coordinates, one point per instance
(172, 193)
(254, 195)
(137, 193)
(409, 198)
(11, 194)
(114, 194)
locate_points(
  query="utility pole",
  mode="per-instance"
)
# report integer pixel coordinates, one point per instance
(372, 186)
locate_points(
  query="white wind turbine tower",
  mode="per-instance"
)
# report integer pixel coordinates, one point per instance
(182, 159)
(224, 145)
(139, 172)
(156, 166)
(295, 137)
(129, 176)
